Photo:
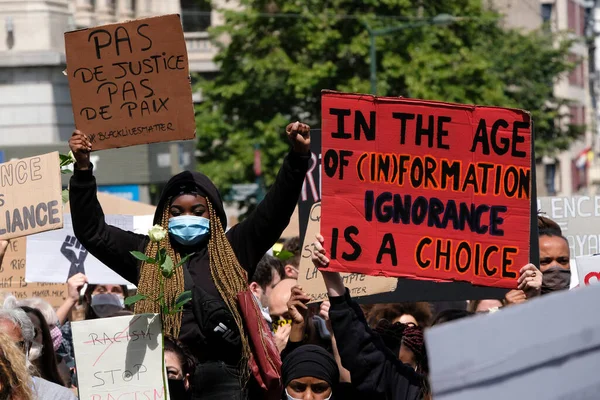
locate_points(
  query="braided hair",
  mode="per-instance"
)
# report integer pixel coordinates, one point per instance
(412, 337)
(228, 276)
(151, 278)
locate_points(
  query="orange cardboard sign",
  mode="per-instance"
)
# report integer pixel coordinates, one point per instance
(130, 82)
(30, 196)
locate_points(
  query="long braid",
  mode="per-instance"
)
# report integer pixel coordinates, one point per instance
(413, 338)
(230, 279)
(149, 282)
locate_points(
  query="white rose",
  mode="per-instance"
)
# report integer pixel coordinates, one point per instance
(157, 233)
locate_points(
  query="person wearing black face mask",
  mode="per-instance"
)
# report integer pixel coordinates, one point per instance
(554, 261)
(555, 266)
(179, 364)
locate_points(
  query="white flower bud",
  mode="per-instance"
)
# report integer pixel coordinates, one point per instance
(157, 233)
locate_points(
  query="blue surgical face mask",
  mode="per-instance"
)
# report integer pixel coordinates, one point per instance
(189, 230)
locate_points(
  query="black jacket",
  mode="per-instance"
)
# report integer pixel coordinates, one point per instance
(375, 371)
(250, 239)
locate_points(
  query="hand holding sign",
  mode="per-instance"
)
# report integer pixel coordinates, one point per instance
(297, 305)
(75, 284)
(530, 280)
(333, 280)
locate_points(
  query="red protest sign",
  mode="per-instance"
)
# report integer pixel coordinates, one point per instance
(426, 190)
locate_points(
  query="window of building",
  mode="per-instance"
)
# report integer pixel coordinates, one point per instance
(195, 15)
(577, 75)
(577, 115)
(576, 17)
(546, 12)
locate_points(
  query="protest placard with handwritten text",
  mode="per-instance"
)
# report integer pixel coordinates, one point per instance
(12, 277)
(426, 190)
(30, 196)
(120, 357)
(130, 82)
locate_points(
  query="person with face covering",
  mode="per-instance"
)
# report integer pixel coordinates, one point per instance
(179, 364)
(191, 209)
(44, 357)
(555, 261)
(309, 373)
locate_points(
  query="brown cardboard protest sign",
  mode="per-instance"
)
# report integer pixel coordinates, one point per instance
(311, 280)
(130, 82)
(12, 277)
(30, 196)
(115, 205)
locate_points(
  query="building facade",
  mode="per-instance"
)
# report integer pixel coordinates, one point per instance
(35, 106)
(574, 171)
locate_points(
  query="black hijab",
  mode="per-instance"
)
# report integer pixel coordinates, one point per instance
(310, 360)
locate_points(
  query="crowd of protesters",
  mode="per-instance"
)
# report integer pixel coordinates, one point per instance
(336, 349)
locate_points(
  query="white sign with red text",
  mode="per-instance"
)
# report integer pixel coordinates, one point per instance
(588, 269)
(120, 358)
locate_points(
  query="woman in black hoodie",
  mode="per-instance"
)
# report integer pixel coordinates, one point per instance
(192, 210)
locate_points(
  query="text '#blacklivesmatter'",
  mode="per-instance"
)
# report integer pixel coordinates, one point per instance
(426, 190)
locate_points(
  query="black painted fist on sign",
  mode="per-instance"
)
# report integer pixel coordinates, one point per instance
(75, 253)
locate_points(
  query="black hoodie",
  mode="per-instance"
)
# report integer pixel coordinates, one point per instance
(249, 239)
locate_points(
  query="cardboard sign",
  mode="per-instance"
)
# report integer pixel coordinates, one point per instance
(56, 256)
(120, 357)
(130, 82)
(12, 277)
(588, 269)
(30, 196)
(311, 280)
(553, 341)
(116, 205)
(426, 190)
(578, 218)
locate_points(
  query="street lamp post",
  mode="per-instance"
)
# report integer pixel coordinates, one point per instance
(441, 19)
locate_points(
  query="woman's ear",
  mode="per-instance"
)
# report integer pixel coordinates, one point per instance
(186, 381)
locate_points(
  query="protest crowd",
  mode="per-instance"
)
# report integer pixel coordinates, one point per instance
(213, 311)
(336, 349)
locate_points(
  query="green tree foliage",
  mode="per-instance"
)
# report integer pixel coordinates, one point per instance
(280, 54)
